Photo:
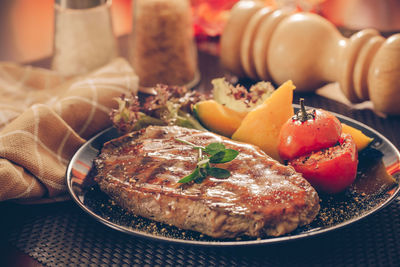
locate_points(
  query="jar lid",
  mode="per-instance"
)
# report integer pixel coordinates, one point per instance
(80, 4)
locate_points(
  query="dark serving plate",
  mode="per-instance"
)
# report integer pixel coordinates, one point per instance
(371, 192)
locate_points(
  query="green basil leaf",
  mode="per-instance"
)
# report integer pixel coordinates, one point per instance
(199, 179)
(224, 156)
(203, 172)
(216, 158)
(217, 154)
(214, 148)
(203, 162)
(193, 176)
(208, 166)
(219, 173)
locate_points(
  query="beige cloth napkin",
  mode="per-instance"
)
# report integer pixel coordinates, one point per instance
(45, 118)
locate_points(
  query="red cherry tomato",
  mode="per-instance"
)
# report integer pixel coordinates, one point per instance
(330, 170)
(306, 132)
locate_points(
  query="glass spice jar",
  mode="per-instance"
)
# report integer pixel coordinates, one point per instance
(83, 36)
(162, 43)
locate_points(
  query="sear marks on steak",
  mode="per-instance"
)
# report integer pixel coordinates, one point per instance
(141, 170)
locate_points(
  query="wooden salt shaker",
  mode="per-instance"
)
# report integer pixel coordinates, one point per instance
(262, 43)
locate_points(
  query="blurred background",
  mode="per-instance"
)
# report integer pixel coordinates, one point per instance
(26, 26)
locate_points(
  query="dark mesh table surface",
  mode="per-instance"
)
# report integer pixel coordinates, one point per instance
(61, 234)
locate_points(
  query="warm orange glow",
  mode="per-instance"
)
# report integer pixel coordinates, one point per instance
(26, 27)
(29, 30)
(121, 12)
(210, 16)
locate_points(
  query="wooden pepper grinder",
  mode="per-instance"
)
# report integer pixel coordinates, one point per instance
(262, 43)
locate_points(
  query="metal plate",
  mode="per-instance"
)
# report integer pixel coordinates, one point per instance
(369, 194)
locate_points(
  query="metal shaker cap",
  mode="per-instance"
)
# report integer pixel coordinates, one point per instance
(80, 4)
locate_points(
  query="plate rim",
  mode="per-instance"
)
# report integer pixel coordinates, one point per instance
(268, 241)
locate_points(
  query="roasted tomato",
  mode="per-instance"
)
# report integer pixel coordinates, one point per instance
(308, 131)
(330, 170)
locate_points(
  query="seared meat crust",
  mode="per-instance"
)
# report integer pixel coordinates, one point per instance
(141, 170)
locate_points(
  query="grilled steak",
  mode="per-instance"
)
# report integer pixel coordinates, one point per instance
(141, 170)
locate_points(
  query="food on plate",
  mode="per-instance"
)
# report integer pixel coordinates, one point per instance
(313, 144)
(308, 131)
(218, 118)
(361, 140)
(212, 153)
(262, 125)
(330, 170)
(170, 106)
(238, 97)
(141, 172)
(230, 104)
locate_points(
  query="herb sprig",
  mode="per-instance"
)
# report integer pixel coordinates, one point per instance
(212, 153)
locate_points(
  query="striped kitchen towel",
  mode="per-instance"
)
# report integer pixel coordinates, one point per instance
(45, 118)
